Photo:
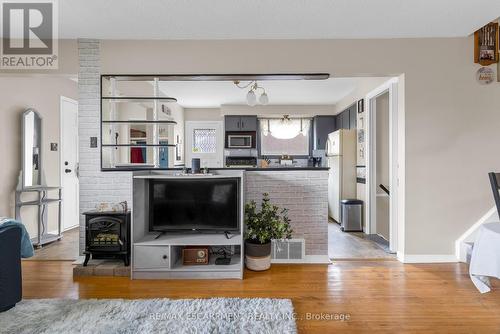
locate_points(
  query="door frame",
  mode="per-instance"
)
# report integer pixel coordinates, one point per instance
(61, 166)
(396, 165)
(188, 140)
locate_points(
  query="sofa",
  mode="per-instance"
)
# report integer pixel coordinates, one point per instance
(10, 267)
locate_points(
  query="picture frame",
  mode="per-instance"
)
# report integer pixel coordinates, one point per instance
(486, 42)
(361, 106)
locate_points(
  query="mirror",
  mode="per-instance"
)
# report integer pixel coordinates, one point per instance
(32, 145)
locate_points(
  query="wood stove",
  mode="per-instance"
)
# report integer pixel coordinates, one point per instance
(107, 235)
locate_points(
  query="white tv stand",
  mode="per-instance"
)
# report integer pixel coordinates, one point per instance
(160, 257)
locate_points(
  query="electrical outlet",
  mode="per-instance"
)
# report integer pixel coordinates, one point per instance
(53, 146)
(93, 142)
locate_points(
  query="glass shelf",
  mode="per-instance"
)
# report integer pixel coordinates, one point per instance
(138, 145)
(117, 99)
(137, 124)
(141, 122)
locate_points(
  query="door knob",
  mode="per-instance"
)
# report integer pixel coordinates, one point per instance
(67, 170)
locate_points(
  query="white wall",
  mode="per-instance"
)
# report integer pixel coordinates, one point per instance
(16, 95)
(202, 114)
(450, 120)
(364, 86)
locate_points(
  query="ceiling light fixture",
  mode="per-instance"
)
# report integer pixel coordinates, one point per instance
(251, 95)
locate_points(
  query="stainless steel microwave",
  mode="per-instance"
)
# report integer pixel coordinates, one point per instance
(240, 141)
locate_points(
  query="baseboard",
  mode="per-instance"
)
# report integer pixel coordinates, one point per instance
(427, 258)
(311, 259)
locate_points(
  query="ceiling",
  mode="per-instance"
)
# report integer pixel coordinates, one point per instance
(213, 94)
(272, 19)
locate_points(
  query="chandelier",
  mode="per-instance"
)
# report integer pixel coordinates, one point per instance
(252, 93)
(286, 127)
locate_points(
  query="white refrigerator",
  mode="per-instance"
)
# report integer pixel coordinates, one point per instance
(341, 160)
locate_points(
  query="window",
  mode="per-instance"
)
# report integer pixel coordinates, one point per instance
(284, 136)
(204, 141)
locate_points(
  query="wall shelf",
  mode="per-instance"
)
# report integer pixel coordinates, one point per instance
(138, 145)
(139, 108)
(117, 99)
(139, 122)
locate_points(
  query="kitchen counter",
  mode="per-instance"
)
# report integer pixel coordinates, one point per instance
(286, 168)
(274, 168)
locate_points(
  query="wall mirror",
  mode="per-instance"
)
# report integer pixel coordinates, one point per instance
(32, 144)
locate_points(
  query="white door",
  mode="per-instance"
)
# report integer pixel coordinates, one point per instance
(69, 162)
(205, 140)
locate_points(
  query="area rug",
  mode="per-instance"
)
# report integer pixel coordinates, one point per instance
(106, 316)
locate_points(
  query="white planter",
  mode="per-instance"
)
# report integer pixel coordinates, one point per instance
(258, 263)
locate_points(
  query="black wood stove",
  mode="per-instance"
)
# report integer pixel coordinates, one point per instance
(107, 235)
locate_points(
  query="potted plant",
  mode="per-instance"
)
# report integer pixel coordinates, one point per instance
(262, 226)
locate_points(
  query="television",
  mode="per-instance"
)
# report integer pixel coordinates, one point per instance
(197, 204)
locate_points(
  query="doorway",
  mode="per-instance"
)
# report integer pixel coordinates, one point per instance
(382, 164)
(69, 163)
(205, 140)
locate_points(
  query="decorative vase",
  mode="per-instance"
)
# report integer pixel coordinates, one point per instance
(257, 256)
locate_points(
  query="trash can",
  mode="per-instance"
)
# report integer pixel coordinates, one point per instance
(351, 215)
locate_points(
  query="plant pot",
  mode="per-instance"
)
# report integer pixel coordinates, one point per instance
(257, 256)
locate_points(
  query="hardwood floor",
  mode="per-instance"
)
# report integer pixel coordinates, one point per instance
(64, 249)
(379, 296)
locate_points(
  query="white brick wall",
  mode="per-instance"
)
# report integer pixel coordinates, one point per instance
(95, 186)
(305, 194)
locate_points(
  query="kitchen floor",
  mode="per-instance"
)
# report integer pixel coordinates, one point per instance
(355, 245)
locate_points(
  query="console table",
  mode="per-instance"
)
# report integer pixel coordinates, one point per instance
(43, 236)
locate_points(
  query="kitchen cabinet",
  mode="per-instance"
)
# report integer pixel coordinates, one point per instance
(343, 119)
(322, 126)
(248, 123)
(347, 118)
(352, 116)
(240, 123)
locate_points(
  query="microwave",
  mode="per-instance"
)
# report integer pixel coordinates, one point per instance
(240, 140)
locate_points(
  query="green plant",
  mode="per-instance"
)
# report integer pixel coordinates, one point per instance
(270, 222)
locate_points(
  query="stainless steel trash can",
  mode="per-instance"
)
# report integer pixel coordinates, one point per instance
(351, 215)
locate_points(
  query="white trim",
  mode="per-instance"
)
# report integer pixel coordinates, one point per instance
(61, 165)
(311, 259)
(396, 155)
(489, 217)
(427, 258)
(188, 140)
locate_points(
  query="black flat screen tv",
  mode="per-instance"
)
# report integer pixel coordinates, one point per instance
(210, 204)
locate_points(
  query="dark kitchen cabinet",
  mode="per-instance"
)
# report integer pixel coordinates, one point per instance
(347, 118)
(240, 123)
(248, 123)
(352, 116)
(232, 123)
(343, 119)
(322, 126)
